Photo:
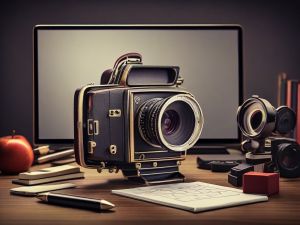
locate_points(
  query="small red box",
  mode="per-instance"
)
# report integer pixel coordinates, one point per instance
(261, 183)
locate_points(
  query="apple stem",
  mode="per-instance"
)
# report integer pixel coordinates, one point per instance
(13, 133)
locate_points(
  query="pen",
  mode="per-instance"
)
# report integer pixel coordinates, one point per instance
(75, 201)
(53, 156)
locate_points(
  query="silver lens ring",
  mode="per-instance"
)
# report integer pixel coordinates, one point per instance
(255, 126)
(198, 126)
(256, 118)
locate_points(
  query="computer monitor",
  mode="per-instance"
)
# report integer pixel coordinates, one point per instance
(67, 57)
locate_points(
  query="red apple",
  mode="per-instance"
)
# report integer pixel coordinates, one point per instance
(16, 154)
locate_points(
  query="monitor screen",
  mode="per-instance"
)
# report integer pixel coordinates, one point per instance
(69, 57)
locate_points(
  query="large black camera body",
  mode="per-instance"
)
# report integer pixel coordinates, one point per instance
(141, 122)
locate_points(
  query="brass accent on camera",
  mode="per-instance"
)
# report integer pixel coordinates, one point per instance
(180, 81)
(131, 128)
(123, 80)
(113, 149)
(142, 156)
(147, 152)
(114, 113)
(93, 127)
(268, 143)
(182, 157)
(101, 167)
(138, 165)
(90, 127)
(92, 145)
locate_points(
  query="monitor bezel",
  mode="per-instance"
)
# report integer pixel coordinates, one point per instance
(201, 142)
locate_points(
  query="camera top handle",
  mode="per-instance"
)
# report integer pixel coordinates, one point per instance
(112, 76)
(129, 71)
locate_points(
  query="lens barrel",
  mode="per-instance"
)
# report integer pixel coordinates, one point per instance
(256, 118)
(174, 123)
(288, 160)
(285, 120)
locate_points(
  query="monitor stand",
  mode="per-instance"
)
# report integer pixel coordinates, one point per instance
(199, 150)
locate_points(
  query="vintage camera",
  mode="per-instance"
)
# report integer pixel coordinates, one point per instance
(138, 120)
(266, 128)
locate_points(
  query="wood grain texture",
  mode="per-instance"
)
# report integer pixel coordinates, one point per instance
(280, 209)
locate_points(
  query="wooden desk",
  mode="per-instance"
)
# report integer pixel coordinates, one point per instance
(280, 209)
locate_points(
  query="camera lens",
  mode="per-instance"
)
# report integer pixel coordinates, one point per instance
(174, 123)
(256, 118)
(170, 122)
(288, 160)
(285, 120)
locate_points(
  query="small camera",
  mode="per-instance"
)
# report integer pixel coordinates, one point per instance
(266, 128)
(138, 120)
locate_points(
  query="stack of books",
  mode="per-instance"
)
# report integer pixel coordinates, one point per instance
(289, 95)
(47, 175)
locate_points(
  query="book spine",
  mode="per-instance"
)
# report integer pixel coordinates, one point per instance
(298, 114)
(289, 93)
(281, 94)
(292, 86)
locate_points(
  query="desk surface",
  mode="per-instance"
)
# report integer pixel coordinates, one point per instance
(280, 209)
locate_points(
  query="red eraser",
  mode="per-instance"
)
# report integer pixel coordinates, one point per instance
(261, 183)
